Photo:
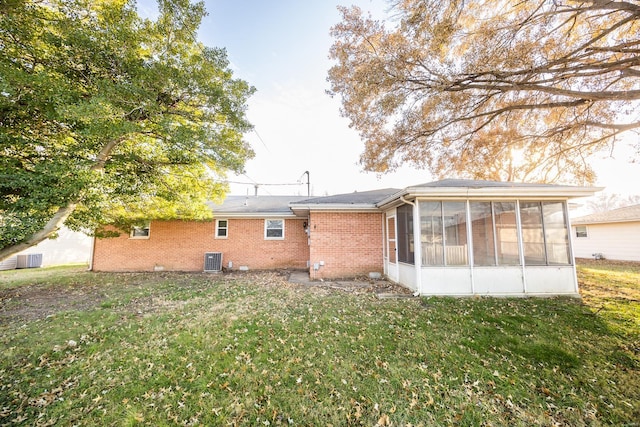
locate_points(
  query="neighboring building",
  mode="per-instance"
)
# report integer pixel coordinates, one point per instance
(475, 238)
(70, 247)
(612, 235)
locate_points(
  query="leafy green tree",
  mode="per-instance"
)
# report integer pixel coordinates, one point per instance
(511, 90)
(110, 118)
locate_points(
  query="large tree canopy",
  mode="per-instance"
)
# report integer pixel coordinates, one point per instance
(510, 89)
(110, 118)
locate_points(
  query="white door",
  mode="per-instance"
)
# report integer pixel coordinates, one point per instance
(392, 249)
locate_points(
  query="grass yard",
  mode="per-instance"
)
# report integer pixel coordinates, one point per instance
(158, 349)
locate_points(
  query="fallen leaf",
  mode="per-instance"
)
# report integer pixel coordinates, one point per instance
(384, 420)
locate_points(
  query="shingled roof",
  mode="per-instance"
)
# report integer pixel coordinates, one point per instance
(374, 200)
(626, 214)
(356, 198)
(255, 205)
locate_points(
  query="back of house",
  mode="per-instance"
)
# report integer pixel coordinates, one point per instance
(449, 237)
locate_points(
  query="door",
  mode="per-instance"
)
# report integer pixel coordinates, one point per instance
(392, 249)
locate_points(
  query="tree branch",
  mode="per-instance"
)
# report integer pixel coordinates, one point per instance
(52, 226)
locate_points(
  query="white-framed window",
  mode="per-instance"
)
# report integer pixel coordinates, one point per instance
(274, 229)
(581, 231)
(140, 231)
(222, 228)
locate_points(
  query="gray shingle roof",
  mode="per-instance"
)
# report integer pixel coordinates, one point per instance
(355, 198)
(626, 214)
(255, 204)
(286, 205)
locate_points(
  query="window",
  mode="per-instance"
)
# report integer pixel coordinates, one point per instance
(274, 229)
(222, 229)
(506, 232)
(140, 231)
(443, 233)
(494, 227)
(484, 248)
(391, 238)
(532, 233)
(431, 233)
(556, 235)
(405, 234)
(454, 216)
(495, 233)
(581, 231)
(544, 233)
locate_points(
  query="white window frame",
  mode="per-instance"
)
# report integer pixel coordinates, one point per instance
(266, 224)
(225, 228)
(132, 233)
(586, 232)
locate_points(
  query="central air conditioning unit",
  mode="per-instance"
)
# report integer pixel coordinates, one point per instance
(29, 261)
(213, 262)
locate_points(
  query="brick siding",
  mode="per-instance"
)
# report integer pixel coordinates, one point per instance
(349, 243)
(181, 245)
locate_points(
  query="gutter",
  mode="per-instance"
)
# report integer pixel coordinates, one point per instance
(367, 207)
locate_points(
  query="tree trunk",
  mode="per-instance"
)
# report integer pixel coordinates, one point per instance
(54, 224)
(58, 219)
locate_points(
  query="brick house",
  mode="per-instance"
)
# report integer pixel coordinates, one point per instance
(475, 238)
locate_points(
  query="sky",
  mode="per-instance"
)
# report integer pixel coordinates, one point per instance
(281, 48)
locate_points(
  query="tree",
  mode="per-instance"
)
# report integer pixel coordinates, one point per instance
(459, 86)
(108, 118)
(605, 202)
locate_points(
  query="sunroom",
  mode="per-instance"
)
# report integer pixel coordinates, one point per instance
(459, 237)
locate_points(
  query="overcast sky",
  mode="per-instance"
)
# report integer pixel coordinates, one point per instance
(281, 47)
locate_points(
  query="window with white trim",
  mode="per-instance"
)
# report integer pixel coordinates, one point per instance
(581, 231)
(274, 229)
(222, 228)
(140, 231)
(545, 238)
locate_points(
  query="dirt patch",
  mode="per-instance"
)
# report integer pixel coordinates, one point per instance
(40, 300)
(363, 287)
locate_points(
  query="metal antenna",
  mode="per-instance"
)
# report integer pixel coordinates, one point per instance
(308, 182)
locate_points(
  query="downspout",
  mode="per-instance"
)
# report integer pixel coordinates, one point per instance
(470, 244)
(385, 261)
(417, 251)
(521, 246)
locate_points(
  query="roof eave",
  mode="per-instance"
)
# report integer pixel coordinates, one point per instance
(392, 200)
(597, 222)
(555, 192)
(565, 192)
(253, 215)
(360, 207)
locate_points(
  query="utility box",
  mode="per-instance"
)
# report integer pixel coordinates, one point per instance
(213, 262)
(29, 261)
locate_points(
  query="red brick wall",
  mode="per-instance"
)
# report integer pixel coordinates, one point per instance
(349, 244)
(180, 246)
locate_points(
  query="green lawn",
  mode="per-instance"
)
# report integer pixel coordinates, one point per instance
(82, 348)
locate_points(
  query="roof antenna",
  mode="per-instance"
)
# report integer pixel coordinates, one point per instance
(308, 182)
